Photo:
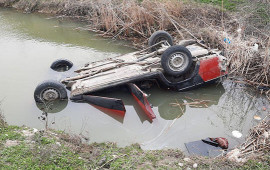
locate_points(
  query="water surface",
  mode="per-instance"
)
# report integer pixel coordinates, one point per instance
(29, 43)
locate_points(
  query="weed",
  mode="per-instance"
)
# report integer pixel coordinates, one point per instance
(25, 157)
(2, 118)
(10, 133)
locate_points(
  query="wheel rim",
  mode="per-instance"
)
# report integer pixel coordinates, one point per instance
(159, 40)
(50, 94)
(178, 61)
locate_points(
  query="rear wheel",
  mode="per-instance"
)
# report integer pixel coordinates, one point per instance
(50, 91)
(61, 65)
(157, 37)
(176, 60)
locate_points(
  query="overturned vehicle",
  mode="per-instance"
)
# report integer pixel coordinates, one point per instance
(186, 65)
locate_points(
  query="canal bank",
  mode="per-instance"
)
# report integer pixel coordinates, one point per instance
(29, 148)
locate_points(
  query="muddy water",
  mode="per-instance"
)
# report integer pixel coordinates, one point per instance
(29, 43)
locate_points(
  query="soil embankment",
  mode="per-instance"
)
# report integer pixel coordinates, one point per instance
(26, 148)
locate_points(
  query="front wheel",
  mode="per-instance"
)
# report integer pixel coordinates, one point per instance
(50, 91)
(176, 60)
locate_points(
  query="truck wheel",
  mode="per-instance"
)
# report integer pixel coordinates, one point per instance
(176, 60)
(157, 37)
(50, 91)
(61, 65)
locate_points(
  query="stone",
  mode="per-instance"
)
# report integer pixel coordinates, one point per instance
(180, 164)
(10, 143)
(187, 159)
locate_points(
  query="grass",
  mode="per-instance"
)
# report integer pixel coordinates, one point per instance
(23, 156)
(58, 150)
(10, 133)
(263, 13)
(227, 4)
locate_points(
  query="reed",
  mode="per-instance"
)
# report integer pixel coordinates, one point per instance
(136, 20)
(256, 145)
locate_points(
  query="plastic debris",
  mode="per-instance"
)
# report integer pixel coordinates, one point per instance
(195, 165)
(227, 40)
(236, 134)
(222, 142)
(256, 117)
(266, 135)
(234, 155)
(255, 47)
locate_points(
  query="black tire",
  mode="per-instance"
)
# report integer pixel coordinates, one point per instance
(176, 60)
(158, 36)
(53, 86)
(61, 65)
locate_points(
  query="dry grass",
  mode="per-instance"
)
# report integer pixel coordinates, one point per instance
(136, 21)
(256, 145)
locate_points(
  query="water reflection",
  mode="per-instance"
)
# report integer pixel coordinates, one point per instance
(174, 105)
(58, 30)
(238, 106)
(170, 104)
(52, 106)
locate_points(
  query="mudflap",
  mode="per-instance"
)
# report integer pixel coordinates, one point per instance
(141, 99)
(106, 104)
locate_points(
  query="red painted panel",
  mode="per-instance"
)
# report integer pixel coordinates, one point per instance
(146, 108)
(110, 111)
(209, 69)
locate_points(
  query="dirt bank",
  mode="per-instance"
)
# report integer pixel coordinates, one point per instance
(26, 148)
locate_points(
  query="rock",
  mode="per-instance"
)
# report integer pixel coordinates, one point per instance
(10, 143)
(27, 133)
(180, 164)
(102, 161)
(35, 130)
(195, 165)
(187, 159)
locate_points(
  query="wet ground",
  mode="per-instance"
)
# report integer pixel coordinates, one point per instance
(29, 43)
